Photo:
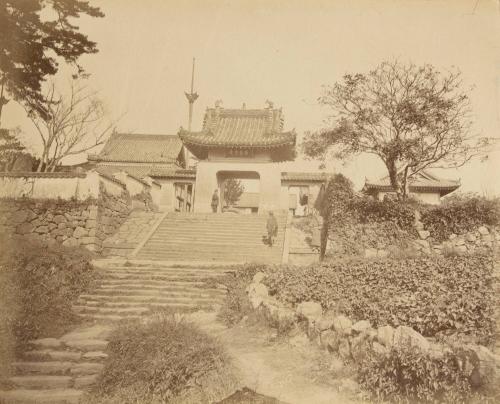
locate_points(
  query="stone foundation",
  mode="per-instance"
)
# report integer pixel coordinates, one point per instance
(69, 222)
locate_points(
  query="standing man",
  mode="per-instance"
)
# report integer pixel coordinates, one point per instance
(272, 228)
(215, 201)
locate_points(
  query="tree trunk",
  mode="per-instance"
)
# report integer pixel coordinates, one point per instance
(405, 185)
(393, 176)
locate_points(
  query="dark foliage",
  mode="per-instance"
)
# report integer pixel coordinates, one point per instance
(460, 215)
(40, 284)
(29, 45)
(407, 376)
(344, 207)
(433, 295)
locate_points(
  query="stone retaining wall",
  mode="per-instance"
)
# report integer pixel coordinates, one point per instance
(351, 341)
(383, 239)
(69, 222)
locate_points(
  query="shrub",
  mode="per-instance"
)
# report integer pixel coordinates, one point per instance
(460, 215)
(406, 375)
(236, 304)
(40, 283)
(158, 361)
(433, 295)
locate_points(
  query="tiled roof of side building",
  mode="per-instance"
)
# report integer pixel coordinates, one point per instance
(127, 147)
(136, 171)
(423, 181)
(262, 128)
(173, 172)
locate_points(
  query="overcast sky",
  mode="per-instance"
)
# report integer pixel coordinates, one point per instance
(284, 51)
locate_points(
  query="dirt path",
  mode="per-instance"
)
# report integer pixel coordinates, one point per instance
(288, 373)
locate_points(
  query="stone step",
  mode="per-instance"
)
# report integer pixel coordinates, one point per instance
(155, 279)
(86, 368)
(92, 300)
(200, 236)
(138, 285)
(136, 304)
(52, 355)
(53, 396)
(135, 310)
(166, 273)
(88, 345)
(116, 317)
(147, 297)
(46, 343)
(108, 317)
(41, 382)
(46, 368)
(165, 291)
(217, 252)
(245, 258)
(52, 368)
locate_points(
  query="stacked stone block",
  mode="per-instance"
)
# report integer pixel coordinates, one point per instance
(70, 223)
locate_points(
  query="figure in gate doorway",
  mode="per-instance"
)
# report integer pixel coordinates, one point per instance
(272, 228)
(215, 201)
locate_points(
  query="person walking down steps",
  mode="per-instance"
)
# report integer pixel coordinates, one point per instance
(272, 228)
(215, 201)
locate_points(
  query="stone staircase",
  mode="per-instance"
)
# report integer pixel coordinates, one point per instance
(58, 370)
(131, 233)
(214, 237)
(135, 290)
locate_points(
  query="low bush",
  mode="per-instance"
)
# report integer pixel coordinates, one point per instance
(159, 362)
(460, 215)
(236, 304)
(433, 295)
(405, 375)
(343, 207)
(38, 286)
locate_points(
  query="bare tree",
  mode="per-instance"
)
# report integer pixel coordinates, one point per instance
(412, 117)
(74, 124)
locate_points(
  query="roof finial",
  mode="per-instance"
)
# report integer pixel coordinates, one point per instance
(244, 106)
(269, 104)
(218, 104)
(191, 97)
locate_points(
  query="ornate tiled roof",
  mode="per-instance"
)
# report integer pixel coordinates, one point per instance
(134, 148)
(424, 181)
(303, 176)
(240, 128)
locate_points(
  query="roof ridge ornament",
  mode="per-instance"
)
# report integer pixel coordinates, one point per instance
(269, 104)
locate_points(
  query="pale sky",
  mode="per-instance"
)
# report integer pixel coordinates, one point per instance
(284, 51)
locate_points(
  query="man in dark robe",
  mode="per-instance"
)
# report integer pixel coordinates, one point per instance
(215, 201)
(272, 228)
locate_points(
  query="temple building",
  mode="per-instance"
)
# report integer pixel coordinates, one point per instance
(425, 186)
(247, 145)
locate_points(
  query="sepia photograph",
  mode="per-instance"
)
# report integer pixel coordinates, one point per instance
(249, 201)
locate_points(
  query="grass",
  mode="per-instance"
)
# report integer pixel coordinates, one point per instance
(166, 359)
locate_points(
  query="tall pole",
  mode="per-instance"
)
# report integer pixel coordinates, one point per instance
(191, 97)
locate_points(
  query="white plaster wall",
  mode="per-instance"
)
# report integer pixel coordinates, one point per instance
(111, 187)
(314, 188)
(49, 188)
